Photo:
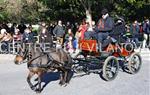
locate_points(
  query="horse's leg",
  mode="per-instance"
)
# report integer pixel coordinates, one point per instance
(29, 80)
(39, 82)
(61, 78)
(68, 76)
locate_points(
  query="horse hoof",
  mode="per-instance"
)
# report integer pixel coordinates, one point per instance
(33, 88)
(61, 83)
(65, 85)
(38, 91)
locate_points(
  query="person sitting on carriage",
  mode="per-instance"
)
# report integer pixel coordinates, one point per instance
(90, 33)
(104, 27)
(119, 30)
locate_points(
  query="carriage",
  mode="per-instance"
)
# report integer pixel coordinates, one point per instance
(107, 62)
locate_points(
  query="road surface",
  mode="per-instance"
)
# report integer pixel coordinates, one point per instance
(13, 81)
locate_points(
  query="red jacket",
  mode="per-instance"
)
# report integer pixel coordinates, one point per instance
(82, 30)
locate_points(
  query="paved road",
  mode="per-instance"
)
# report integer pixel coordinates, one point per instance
(13, 81)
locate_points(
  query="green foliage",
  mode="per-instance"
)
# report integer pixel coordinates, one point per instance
(72, 10)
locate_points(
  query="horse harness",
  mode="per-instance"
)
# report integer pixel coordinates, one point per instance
(50, 64)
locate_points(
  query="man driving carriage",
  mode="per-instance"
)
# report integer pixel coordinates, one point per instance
(104, 27)
(107, 31)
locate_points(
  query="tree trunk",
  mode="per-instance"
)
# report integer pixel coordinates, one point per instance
(89, 18)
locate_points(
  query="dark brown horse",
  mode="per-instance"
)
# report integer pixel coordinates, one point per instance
(39, 62)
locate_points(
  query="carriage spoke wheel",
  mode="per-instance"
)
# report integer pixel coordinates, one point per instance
(80, 57)
(77, 67)
(134, 63)
(110, 68)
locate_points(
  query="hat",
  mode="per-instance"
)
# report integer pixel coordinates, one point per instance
(104, 11)
(121, 18)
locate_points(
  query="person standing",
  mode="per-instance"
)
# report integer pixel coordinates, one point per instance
(82, 29)
(135, 31)
(22, 27)
(59, 32)
(146, 29)
(45, 37)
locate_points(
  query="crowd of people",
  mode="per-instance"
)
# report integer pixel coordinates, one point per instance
(68, 35)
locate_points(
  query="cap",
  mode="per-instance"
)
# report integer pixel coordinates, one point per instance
(104, 11)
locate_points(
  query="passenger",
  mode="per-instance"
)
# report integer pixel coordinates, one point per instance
(90, 33)
(119, 30)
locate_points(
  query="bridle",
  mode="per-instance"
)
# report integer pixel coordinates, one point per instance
(25, 55)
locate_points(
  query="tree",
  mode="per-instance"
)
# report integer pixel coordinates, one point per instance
(70, 10)
(132, 9)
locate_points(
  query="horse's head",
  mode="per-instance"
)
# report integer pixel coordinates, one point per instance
(21, 56)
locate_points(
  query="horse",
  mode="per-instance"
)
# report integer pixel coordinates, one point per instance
(40, 62)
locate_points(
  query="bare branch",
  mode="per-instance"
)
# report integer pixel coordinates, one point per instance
(83, 4)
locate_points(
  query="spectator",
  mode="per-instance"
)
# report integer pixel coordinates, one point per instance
(69, 34)
(135, 30)
(13, 28)
(17, 36)
(51, 28)
(146, 29)
(45, 36)
(69, 26)
(22, 27)
(69, 41)
(59, 32)
(5, 26)
(82, 29)
(28, 36)
(5, 39)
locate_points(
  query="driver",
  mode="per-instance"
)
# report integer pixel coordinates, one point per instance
(104, 26)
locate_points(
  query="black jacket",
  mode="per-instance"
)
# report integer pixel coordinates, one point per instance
(59, 31)
(28, 37)
(45, 37)
(105, 25)
(146, 28)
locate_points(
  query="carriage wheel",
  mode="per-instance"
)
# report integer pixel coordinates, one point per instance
(79, 56)
(77, 67)
(134, 63)
(110, 68)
